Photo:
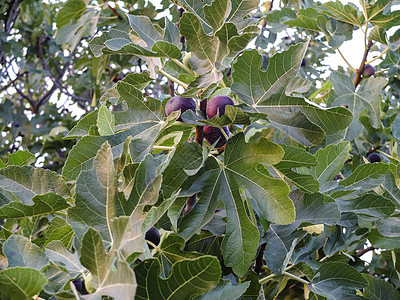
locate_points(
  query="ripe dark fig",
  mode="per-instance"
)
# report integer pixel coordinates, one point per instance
(84, 290)
(212, 134)
(303, 62)
(152, 235)
(190, 203)
(368, 71)
(374, 157)
(216, 104)
(179, 103)
(15, 124)
(78, 284)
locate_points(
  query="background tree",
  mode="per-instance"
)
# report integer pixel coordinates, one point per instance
(268, 174)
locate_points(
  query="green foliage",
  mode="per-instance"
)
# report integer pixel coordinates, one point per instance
(288, 208)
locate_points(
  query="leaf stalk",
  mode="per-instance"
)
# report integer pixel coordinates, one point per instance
(290, 275)
(176, 80)
(345, 60)
(379, 56)
(163, 148)
(184, 67)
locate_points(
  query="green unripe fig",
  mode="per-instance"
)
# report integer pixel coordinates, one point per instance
(368, 71)
(186, 59)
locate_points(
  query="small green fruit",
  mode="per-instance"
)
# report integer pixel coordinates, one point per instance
(186, 59)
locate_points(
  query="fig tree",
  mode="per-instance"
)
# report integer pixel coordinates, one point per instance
(179, 103)
(213, 134)
(374, 157)
(216, 104)
(152, 235)
(368, 71)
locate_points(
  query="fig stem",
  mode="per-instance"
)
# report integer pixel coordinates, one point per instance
(176, 80)
(184, 67)
(379, 56)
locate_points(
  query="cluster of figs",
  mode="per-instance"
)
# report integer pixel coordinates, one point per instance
(216, 105)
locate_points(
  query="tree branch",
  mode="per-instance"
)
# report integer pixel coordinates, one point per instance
(21, 93)
(114, 11)
(55, 80)
(12, 15)
(19, 75)
(357, 79)
(362, 251)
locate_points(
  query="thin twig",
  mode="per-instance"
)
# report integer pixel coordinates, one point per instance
(114, 11)
(19, 75)
(10, 19)
(21, 93)
(48, 94)
(362, 251)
